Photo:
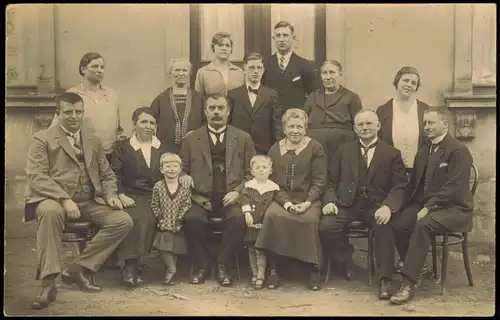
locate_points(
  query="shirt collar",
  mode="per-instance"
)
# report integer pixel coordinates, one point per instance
(212, 66)
(370, 144)
(251, 86)
(68, 132)
(283, 149)
(80, 89)
(136, 144)
(439, 139)
(286, 56)
(216, 131)
(262, 187)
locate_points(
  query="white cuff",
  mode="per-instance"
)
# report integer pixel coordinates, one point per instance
(287, 205)
(246, 208)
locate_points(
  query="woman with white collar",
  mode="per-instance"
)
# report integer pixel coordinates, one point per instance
(290, 226)
(135, 162)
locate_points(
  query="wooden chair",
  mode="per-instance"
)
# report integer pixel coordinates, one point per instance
(78, 232)
(456, 238)
(214, 224)
(357, 229)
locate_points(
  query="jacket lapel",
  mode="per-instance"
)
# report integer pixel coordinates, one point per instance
(155, 158)
(336, 97)
(64, 143)
(377, 154)
(87, 148)
(389, 117)
(354, 161)
(231, 142)
(259, 102)
(204, 141)
(434, 160)
(243, 92)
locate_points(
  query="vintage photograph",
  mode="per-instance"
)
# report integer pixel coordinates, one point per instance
(238, 159)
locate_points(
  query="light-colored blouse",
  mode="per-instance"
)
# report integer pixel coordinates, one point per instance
(212, 80)
(101, 114)
(405, 132)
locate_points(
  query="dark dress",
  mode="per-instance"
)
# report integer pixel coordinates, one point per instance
(169, 210)
(301, 177)
(136, 180)
(168, 120)
(331, 118)
(257, 201)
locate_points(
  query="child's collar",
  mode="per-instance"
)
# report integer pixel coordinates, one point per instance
(262, 187)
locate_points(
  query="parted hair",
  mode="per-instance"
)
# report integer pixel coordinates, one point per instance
(333, 62)
(137, 112)
(443, 112)
(215, 96)
(261, 158)
(68, 97)
(86, 59)
(174, 61)
(170, 157)
(295, 113)
(218, 37)
(406, 70)
(253, 56)
(284, 24)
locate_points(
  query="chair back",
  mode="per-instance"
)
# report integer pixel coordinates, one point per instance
(474, 179)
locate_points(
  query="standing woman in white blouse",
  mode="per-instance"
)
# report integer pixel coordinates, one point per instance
(102, 114)
(401, 117)
(220, 75)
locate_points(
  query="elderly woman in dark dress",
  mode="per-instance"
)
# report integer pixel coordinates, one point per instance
(179, 109)
(135, 162)
(331, 110)
(290, 226)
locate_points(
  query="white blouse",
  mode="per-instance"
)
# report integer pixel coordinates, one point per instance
(405, 132)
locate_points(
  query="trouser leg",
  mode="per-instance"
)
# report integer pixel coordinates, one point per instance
(403, 223)
(232, 237)
(196, 231)
(333, 236)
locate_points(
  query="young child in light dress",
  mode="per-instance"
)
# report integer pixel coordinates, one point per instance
(169, 203)
(255, 199)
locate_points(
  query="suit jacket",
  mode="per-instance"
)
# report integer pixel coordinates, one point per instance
(197, 162)
(133, 176)
(293, 84)
(446, 192)
(53, 170)
(385, 115)
(262, 121)
(386, 179)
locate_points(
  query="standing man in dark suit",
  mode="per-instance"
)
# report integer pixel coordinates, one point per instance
(69, 177)
(216, 158)
(440, 200)
(292, 76)
(367, 181)
(255, 108)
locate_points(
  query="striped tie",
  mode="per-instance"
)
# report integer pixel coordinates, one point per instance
(282, 63)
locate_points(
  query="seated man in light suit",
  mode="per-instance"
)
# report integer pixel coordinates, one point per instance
(367, 181)
(217, 159)
(439, 198)
(69, 178)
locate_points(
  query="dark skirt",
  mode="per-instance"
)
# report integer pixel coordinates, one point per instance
(139, 240)
(169, 241)
(331, 138)
(291, 235)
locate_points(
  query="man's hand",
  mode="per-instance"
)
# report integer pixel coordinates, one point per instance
(383, 215)
(301, 208)
(115, 203)
(72, 211)
(248, 219)
(126, 201)
(330, 208)
(186, 181)
(230, 198)
(422, 213)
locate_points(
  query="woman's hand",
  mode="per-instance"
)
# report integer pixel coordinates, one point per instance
(126, 201)
(330, 208)
(186, 181)
(302, 207)
(248, 219)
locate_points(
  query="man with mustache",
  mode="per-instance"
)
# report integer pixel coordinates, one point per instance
(292, 76)
(216, 159)
(366, 182)
(69, 177)
(439, 196)
(256, 108)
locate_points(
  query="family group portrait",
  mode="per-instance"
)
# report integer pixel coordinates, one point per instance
(250, 159)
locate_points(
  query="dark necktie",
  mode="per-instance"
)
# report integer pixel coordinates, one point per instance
(434, 147)
(217, 135)
(365, 155)
(254, 91)
(76, 142)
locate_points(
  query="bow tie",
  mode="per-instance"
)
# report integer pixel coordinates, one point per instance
(254, 91)
(434, 147)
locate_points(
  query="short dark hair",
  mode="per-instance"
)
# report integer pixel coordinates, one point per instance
(68, 97)
(215, 96)
(85, 60)
(137, 112)
(253, 56)
(334, 62)
(367, 110)
(443, 112)
(284, 24)
(406, 70)
(218, 37)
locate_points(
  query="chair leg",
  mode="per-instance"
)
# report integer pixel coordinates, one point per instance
(465, 253)
(238, 266)
(444, 263)
(369, 258)
(372, 239)
(328, 267)
(434, 255)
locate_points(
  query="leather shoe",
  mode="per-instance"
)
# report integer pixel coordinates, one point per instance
(314, 281)
(404, 294)
(224, 279)
(128, 277)
(70, 277)
(199, 277)
(44, 297)
(384, 290)
(348, 271)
